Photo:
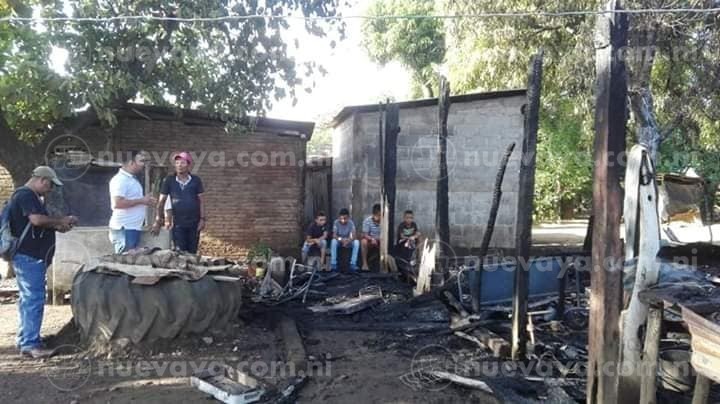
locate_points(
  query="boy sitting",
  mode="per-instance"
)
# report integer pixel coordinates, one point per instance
(316, 236)
(371, 234)
(344, 236)
(407, 236)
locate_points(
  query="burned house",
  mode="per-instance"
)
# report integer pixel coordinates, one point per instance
(480, 127)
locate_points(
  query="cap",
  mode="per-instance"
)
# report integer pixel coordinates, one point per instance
(185, 156)
(47, 172)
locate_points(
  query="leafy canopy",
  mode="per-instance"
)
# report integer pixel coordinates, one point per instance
(418, 44)
(233, 67)
(494, 54)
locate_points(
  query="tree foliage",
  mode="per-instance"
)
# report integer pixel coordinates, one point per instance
(674, 55)
(233, 68)
(418, 44)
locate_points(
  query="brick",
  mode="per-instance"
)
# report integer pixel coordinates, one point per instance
(244, 204)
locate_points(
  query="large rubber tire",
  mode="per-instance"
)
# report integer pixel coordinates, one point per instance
(109, 307)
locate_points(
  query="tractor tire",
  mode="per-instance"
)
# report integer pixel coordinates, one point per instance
(108, 307)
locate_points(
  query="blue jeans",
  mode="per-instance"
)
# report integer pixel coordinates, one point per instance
(334, 244)
(30, 273)
(124, 239)
(186, 238)
(306, 248)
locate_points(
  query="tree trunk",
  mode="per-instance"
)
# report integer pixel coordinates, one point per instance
(19, 157)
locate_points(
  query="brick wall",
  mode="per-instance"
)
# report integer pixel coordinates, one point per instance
(6, 185)
(257, 198)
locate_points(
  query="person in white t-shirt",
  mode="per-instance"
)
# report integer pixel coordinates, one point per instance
(128, 204)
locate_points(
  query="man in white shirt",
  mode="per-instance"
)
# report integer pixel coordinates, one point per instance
(128, 204)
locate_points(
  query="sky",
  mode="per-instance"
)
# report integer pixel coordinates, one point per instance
(351, 78)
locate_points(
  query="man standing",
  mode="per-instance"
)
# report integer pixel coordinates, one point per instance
(371, 234)
(128, 204)
(28, 215)
(186, 216)
(344, 236)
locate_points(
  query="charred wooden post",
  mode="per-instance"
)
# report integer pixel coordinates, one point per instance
(523, 224)
(476, 280)
(606, 279)
(392, 129)
(562, 288)
(442, 215)
(497, 195)
(648, 389)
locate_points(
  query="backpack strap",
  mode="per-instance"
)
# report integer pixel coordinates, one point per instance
(22, 236)
(28, 225)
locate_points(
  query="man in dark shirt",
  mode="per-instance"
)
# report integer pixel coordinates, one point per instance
(186, 218)
(34, 253)
(316, 237)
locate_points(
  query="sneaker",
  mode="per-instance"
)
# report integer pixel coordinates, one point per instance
(353, 268)
(365, 268)
(37, 352)
(333, 268)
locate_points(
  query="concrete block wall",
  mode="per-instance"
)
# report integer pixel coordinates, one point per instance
(479, 133)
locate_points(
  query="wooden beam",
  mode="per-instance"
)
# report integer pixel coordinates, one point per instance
(442, 215)
(454, 302)
(499, 346)
(648, 389)
(392, 129)
(523, 223)
(606, 277)
(562, 289)
(475, 277)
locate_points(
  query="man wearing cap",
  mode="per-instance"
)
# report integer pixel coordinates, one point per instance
(128, 204)
(186, 217)
(28, 216)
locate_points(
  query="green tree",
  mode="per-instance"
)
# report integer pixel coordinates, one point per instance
(674, 55)
(233, 68)
(418, 44)
(670, 54)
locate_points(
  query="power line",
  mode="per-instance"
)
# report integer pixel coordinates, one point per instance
(512, 14)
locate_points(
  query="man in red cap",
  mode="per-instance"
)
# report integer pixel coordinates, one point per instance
(186, 214)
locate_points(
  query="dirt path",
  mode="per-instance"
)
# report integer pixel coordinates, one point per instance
(345, 367)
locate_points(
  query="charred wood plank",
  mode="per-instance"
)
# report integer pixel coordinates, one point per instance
(606, 279)
(526, 192)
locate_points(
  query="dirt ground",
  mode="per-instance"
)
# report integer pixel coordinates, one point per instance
(355, 367)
